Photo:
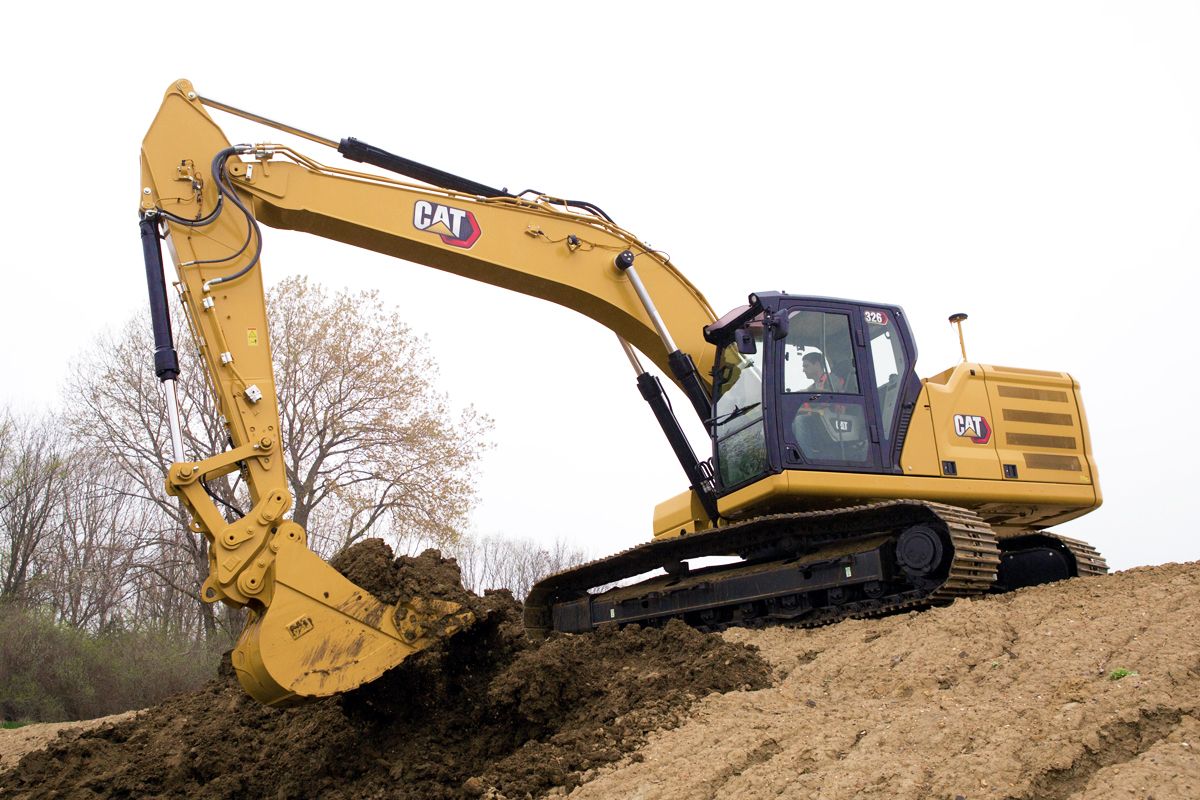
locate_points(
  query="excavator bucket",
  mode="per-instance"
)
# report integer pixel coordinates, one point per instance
(322, 634)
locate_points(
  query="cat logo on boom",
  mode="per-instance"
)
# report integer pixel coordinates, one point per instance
(456, 227)
(973, 426)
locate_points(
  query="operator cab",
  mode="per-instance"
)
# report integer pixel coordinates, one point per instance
(810, 383)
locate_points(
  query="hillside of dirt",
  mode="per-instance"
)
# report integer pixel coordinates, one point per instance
(15, 743)
(1087, 689)
(485, 713)
(1084, 690)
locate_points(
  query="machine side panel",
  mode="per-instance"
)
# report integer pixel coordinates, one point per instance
(920, 455)
(1037, 427)
(962, 424)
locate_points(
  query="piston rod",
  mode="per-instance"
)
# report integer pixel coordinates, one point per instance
(166, 360)
(682, 365)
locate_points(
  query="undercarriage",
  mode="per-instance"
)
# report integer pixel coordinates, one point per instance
(808, 569)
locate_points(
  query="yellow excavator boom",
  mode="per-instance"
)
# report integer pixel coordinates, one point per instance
(311, 632)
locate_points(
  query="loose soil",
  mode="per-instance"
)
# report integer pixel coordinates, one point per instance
(1087, 689)
(485, 714)
(1083, 690)
(16, 742)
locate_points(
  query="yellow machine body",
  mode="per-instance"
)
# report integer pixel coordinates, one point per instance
(1036, 426)
(313, 633)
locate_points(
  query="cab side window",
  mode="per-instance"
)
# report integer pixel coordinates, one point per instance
(887, 353)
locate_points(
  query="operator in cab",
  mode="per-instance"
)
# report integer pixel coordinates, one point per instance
(821, 381)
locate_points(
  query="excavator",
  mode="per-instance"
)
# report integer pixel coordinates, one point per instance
(840, 484)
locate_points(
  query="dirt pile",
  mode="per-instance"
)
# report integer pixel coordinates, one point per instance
(1087, 690)
(483, 715)
(15, 743)
(1084, 690)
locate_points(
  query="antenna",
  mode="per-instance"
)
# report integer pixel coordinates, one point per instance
(957, 319)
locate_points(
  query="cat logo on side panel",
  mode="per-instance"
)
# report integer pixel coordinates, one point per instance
(974, 427)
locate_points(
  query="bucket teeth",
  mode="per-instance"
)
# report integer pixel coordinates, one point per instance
(424, 616)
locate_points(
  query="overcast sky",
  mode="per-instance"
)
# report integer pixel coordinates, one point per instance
(1035, 165)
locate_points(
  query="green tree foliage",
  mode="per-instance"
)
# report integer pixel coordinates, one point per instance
(51, 671)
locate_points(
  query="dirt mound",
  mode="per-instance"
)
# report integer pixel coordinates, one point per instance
(393, 580)
(16, 742)
(484, 714)
(1087, 690)
(1084, 690)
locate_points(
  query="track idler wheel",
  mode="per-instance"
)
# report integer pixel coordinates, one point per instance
(919, 552)
(1033, 560)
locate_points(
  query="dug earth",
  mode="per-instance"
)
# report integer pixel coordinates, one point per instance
(1083, 690)
(486, 713)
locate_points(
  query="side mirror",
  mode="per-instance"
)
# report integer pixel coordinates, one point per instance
(745, 342)
(778, 323)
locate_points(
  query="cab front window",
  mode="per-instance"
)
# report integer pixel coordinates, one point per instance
(737, 427)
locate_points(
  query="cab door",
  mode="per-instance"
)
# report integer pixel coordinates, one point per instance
(824, 418)
(893, 385)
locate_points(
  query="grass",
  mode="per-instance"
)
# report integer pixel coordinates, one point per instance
(1119, 673)
(9, 725)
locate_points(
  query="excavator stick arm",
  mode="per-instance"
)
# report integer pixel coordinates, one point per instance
(312, 632)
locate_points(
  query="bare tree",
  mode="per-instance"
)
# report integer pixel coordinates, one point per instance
(118, 412)
(92, 561)
(496, 562)
(31, 471)
(370, 448)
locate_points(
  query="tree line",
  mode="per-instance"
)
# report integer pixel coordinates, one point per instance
(91, 542)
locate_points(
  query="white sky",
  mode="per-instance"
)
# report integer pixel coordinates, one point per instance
(1036, 165)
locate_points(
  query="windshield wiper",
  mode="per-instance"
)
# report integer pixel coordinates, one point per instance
(738, 411)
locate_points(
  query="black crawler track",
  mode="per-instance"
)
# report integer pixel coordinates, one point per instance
(804, 569)
(810, 568)
(1088, 560)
